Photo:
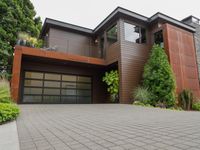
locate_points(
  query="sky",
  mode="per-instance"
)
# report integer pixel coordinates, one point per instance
(89, 13)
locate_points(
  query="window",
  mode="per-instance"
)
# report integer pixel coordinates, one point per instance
(158, 38)
(112, 35)
(134, 33)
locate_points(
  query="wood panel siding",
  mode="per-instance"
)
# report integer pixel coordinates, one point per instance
(72, 43)
(133, 56)
(112, 53)
(180, 48)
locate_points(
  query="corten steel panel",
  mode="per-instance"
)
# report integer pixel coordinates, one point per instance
(179, 45)
(56, 56)
(16, 73)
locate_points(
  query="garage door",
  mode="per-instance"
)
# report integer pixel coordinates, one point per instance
(42, 87)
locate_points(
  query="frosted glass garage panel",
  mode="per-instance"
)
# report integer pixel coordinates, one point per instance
(34, 83)
(32, 99)
(69, 78)
(51, 76)
(32, 90)
(34, 75)
(83, 79)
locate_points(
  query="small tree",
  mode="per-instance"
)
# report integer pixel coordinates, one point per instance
(158, 78)
(112, 80)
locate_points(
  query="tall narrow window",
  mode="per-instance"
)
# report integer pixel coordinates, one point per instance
(112, 35)
(134, 33)
(158, 38)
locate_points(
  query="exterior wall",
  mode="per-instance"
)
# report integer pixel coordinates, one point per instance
(113, 52)
(197, 41)
(98, 87)
(54, 57)
(71, 42)
(133, 56)
(179, 45)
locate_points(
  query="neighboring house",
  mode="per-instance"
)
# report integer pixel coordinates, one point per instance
(195, 22)
(70, 70)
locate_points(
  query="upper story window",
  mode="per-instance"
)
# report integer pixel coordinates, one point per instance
(112, 35)
(134, 33)
(158, 38)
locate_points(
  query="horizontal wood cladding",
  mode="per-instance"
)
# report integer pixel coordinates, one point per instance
(72, 43)
(179, 45)
(133, 57)
(112, 53)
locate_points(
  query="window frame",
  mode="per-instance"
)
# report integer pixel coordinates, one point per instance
(140, 33)
(109, 28)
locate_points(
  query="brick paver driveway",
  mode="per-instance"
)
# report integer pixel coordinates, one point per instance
(106, 126)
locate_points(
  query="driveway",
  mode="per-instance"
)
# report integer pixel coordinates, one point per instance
(106, 126)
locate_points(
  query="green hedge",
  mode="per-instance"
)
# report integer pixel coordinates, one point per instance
(8, 112)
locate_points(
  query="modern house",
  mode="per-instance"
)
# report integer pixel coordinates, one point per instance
(70, 68)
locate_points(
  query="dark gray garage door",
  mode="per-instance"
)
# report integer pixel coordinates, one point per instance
(42, 87)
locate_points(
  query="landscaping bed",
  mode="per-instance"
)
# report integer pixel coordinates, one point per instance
(8, 110)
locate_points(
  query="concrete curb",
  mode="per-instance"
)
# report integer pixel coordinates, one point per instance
(9, 136)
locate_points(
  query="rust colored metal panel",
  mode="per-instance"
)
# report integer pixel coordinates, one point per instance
(179, 45)
(16, 73)
(60, 56)
(54, 62)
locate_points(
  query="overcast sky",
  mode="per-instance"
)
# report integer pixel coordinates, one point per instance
(89, 13)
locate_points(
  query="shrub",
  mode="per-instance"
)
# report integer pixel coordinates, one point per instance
(25, 39)
(112, 80)
(185, 99)
(196, 106)
(142, 94)
(139, 103)
(8, 112)
(158, 78)
(4, 92)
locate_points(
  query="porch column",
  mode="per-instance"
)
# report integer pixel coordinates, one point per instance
(16, 70)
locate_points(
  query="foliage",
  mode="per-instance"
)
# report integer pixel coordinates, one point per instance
(8, 112)
(185, 99)
(140, 103)
(142, 94)
(196, 106)
(112, 80)
(176, 108)
(15, 16)
(158, 78)
(25, 39)
(5, 92)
